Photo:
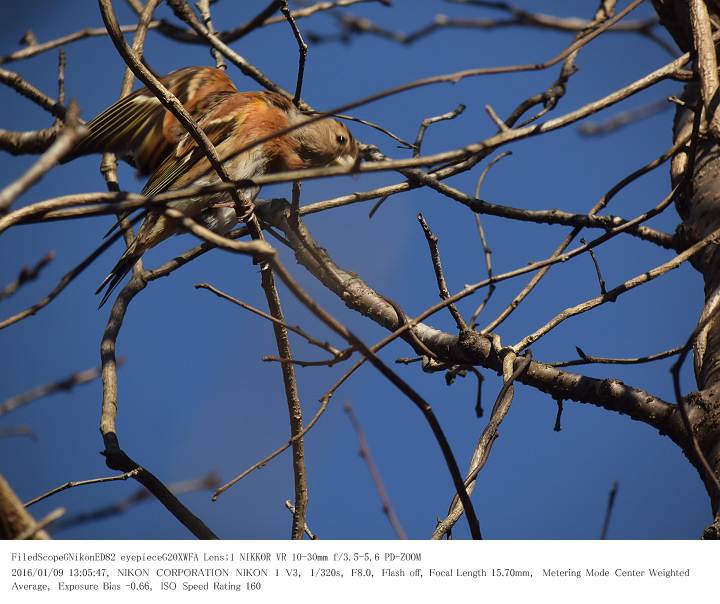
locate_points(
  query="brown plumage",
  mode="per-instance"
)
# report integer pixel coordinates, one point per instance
(140, 129)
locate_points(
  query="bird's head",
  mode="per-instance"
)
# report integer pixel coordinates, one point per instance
(326, 142)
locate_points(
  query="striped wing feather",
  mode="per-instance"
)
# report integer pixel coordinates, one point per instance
(187, 154)
(230, 125)
(141, 129)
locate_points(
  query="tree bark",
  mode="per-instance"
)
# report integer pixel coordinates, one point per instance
(14, 518)
(698, 205)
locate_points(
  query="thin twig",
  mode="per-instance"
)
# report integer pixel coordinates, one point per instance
(65, 384)
(14, 431)
(61, 76)
(302, 51)
(80, 483)
(50, 208)
(408, 360)
(257, 21)
(23, 87)
(299, 362)
(429, 121)
(204, 7)
(30, 141)
(352, 25)
(87, 32)
(209, 481)
(602, 203)
(432, 241)
(430, 366)
(558, 416)
(26, 275)
(262, 19)
(483, 239)
(617, 291)
(609, 510)
(292, 397)
(337, 353)
(72, 131)
(501, 125)
(550, 97)
(387, 505)
(478, 398)
(586, 359)
(624, 118)
(324, 403)
(65, 280)
(601, 281)
(374, 126)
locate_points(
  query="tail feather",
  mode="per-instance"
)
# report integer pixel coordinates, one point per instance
(117, 224)
(118, 273)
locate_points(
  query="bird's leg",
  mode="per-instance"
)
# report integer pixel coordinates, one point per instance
(246, 207)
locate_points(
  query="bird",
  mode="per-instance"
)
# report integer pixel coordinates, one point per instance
(140, 130)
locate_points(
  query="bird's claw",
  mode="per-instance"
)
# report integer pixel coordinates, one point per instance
(244, 210)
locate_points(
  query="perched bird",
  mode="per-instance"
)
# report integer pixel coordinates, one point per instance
(142, 131)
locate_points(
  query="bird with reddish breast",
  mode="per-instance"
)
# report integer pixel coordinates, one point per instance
(142, 131)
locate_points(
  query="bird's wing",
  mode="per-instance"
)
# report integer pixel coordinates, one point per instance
(187, 155)
(140, 127)
(233, 123)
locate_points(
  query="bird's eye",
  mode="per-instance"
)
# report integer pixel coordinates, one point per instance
(341, 139)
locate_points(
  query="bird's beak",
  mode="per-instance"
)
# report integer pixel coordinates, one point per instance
(346, 160)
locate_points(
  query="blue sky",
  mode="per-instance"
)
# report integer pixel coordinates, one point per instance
(195, 395)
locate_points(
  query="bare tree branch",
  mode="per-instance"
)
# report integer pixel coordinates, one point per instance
(63, 385)
(40, 526)
(14, 518)
(80, 483)
(141, 495)
(609, 510)
(387, 505)
(27, 274)
(72, 131)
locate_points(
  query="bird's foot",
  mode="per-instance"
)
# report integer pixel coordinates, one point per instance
(244, 210)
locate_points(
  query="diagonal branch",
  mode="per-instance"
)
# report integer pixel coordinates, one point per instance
(65, 384)
(489, 436)
(72, 131)
(387, 505)
(469, 348)
(26, 275)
